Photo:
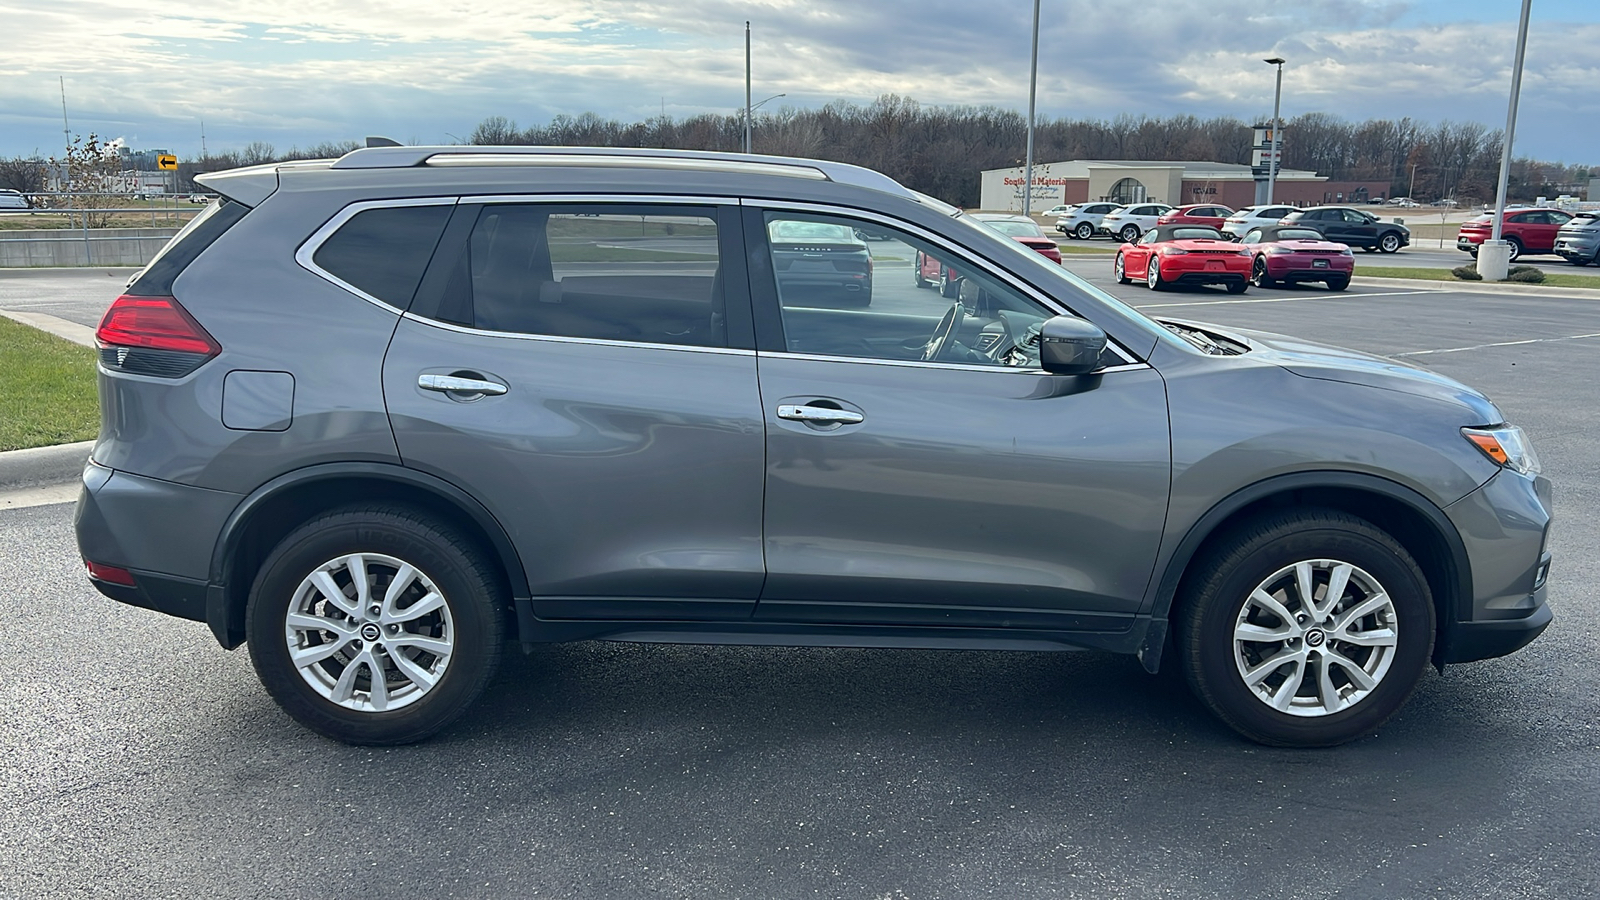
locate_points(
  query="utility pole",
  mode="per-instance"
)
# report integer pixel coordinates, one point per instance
(203, 153)
(1033, 85)
(65, 131)
(747, 86)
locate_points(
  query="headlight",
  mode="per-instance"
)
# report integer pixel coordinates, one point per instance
(1507, 445)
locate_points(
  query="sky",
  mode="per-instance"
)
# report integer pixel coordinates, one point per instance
(294, 72)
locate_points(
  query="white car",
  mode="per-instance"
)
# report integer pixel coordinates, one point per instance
(1133, 220)
(1253, 217)
(1405, 202)
(1083, 221)
(10, 199)
(1057, 211)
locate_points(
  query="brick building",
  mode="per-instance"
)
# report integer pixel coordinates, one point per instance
(1175, 183)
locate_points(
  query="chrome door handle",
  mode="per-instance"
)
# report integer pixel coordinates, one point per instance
(819, 415)
(455, 384)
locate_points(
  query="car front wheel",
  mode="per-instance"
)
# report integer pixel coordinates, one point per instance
(1389, 243)
(1306, 629)
(375, 625)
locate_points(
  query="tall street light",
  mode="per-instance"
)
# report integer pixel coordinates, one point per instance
(1494, 257)
(747, 86)
(1277, 127)
(1033, 84)
(750, 110)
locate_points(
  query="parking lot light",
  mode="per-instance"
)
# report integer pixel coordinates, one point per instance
(1277, 142)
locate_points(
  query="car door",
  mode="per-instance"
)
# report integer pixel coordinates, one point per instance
(1362, 228)
(587, 372)
(954, 490)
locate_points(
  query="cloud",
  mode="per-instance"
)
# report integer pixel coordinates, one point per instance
(302, 72)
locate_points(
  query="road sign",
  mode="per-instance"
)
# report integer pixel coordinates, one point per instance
(167, 161)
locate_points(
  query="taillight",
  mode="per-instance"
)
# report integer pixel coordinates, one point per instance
(152, 336)
(110, 574)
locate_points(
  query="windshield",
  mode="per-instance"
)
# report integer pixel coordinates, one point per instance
(1048, 276)
(1014, 229)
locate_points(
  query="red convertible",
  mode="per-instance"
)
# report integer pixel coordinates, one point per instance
(1289, 254)
(1184, 254)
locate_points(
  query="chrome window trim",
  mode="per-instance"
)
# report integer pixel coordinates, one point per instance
(307, 250)
(558, 339)
(980, 264)
(618, 199)
(920, 364)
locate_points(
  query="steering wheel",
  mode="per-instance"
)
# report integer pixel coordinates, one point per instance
(943, 337)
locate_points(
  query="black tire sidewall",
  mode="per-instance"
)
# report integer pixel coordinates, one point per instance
(447, 560)
(1207, 629)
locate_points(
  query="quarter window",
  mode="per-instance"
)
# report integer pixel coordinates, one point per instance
(383, 252)
(646, 274)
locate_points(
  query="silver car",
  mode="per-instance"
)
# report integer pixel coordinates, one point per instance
(381, 416)
(1578, 241)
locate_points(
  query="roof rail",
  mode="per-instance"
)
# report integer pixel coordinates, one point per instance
(405, 157)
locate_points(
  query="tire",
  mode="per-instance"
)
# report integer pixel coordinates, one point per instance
(1268, 558)
(1152, 274)
(1129, 234)
(1514, 247)
(1238, 287)
(1338, 284)
(1120, 270)
(1370, 249)
(1084, 231)
(1258, 273)
(451, 650)
(916, 274)
(1389, 242)
(947, 288)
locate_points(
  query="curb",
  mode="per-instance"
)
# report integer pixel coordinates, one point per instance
(79, 271)
(1478, 287)
(43, 466)
(82, 335)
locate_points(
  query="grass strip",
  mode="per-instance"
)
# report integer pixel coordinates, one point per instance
(48, 393)
(1088, 249)
(1551, 279)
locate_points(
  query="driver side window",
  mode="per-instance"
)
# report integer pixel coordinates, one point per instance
(900, 298)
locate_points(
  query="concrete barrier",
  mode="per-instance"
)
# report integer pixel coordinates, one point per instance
(74, 247)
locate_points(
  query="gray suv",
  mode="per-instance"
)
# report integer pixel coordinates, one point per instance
(382, 416)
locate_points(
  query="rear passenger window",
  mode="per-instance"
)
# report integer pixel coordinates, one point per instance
(646, 274)
(383, 252)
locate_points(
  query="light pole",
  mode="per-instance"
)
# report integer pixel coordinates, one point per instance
(747, 106)
(1277, 140)
(1033, 84)
(1494, 257)
(749, 111)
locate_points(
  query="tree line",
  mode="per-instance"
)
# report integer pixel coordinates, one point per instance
(941, 149)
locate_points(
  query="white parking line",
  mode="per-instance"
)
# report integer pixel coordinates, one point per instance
(1570, 337)
(1328, 296)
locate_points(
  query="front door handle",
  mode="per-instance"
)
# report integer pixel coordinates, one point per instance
(460, 386)
(819, 415)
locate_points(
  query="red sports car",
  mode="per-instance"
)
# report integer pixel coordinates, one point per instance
(1023, 230)
(1184, 254)
(1209, 214)
(1289, 253)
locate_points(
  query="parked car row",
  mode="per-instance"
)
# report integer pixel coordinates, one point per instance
(1573, 237)
(1176, 253)
(1344, 224)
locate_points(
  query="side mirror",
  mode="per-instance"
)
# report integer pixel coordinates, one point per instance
(1069, 345)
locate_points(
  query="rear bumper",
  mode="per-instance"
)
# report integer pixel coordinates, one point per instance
(1303, 270)
(161, 532)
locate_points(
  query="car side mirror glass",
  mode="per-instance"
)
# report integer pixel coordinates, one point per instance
(1069, 345)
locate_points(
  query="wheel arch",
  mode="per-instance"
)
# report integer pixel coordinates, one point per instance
(1410, 518)
(271, 511)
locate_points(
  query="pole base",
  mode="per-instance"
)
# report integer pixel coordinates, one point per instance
(1494, 260)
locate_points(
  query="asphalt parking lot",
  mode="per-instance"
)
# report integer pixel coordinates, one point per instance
(142, 760)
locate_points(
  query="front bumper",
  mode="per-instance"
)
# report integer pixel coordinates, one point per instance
(1505, 527)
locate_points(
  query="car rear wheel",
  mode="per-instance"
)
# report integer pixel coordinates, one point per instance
(1513, 249)
(916, 274)
(1084, 231)
(1258, 273)
(1238, 287)
(1370, 249)
(1338, 284)
(1307, 629)
(375, 625)
(1389, 243)
(1130, 233)
(948, 287)
(1152, 274)
(1120, 270)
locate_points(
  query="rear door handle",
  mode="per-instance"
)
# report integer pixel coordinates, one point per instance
(819, 415)
(456, 384)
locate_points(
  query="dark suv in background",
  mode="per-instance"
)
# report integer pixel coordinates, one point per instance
(381, 415)
(1351, 226)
